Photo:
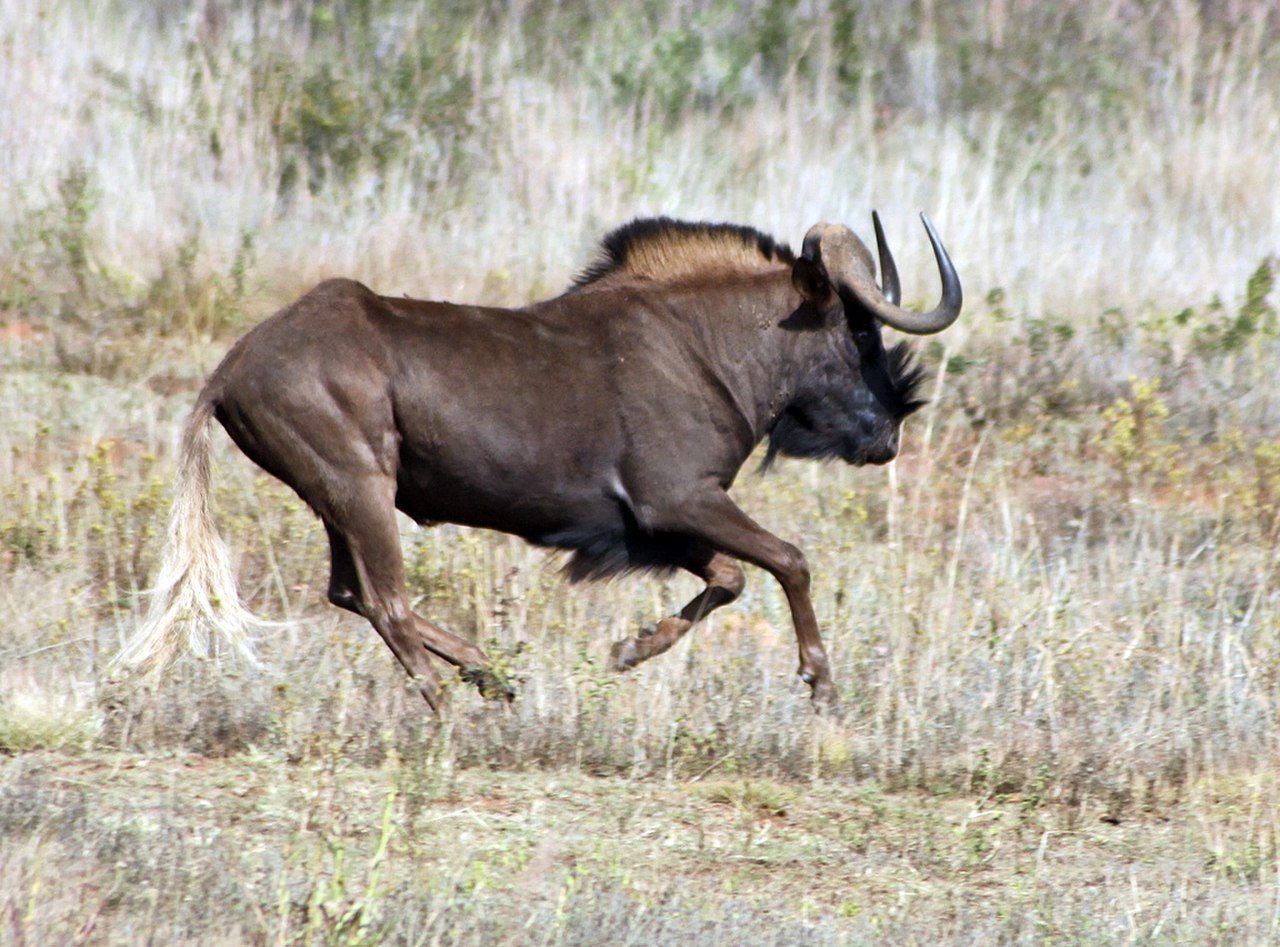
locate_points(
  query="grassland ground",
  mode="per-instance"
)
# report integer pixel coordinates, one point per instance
(251, 849)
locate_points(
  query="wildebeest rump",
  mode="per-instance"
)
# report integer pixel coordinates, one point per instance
(609, 421)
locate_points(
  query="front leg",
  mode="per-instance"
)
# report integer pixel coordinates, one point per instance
(724, 581)
(716, 520)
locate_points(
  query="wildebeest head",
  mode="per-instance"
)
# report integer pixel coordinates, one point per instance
(856, 394)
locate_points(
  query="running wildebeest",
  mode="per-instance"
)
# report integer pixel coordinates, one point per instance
(609, 421)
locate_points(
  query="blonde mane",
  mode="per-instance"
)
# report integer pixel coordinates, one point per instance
(660, 249)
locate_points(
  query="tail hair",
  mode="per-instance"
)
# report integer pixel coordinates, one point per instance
(196, 588)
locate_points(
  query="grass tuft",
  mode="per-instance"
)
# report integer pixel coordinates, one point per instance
(34, 717)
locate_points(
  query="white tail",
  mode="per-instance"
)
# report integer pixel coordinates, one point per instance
(196, 588)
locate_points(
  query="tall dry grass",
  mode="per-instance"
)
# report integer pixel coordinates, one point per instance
(1084, 158)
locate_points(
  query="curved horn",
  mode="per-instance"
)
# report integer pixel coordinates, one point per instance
(889, 284)
(848, 263)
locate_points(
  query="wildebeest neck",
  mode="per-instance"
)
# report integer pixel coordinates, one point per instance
(725, 354)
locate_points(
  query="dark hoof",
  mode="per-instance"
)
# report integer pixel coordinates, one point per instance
(492, 684)
(622, 656)
(826, 699)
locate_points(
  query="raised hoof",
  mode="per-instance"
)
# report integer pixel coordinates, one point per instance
(491, 684)
(826, 699)
(623, 656)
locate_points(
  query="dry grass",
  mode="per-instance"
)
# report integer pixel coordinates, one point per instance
(1133, 173)
(104, 847)
(1053, 620)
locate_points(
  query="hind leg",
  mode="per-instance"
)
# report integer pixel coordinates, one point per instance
(331, 435)
(346, 590)
(724, 580)
(368, 579)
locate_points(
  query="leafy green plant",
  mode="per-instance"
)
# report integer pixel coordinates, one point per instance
(1135, 440)
(1226, 334)
(342, 910)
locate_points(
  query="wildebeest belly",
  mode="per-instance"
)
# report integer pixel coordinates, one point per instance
(585, 514)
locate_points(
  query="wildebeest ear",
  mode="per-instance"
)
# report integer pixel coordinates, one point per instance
(810, 280)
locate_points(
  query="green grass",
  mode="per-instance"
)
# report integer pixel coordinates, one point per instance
(251, 849)
(1053, 621)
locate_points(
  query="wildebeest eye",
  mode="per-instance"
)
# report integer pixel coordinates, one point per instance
(861, 327)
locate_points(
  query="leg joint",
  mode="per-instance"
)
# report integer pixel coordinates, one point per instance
(344, 596)
(723, 572)
(793, 569)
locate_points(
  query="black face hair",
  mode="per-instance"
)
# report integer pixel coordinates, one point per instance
(908, 379)
(819, 429)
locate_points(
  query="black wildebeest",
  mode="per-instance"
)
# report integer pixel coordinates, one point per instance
(609, 421)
